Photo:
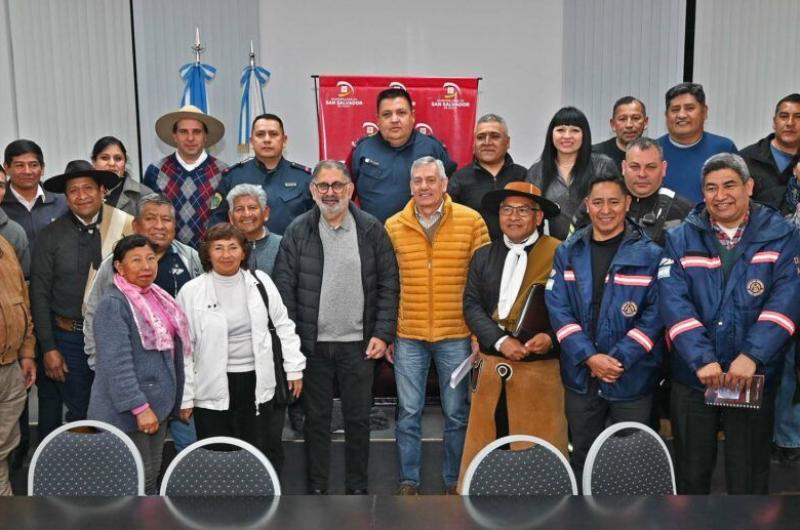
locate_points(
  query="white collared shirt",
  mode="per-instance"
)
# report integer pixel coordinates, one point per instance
(23, 201)
(428, 222)
(93, 221)
(190, 167)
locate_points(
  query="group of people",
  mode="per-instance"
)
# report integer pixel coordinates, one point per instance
(159, 305)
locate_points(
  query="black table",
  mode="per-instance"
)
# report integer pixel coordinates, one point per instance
(404, 513)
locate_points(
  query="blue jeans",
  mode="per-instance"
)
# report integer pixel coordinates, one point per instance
(183, 434)
(77, 387)
(787, 416)
(412, 361)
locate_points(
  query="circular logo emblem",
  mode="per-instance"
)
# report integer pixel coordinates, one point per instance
(755, 287)
(629, 308)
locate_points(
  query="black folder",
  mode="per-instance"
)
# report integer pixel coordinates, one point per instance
(533, 318)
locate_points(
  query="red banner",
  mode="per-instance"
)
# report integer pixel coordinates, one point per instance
(444, 107)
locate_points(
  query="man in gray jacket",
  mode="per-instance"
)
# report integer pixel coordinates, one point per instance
(177, 264)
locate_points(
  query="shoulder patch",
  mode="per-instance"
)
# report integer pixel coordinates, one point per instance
(216, 200)
(301, 167)
(234, 166)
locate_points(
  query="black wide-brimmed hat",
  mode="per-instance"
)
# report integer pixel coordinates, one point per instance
(80, 168)
(491, 201)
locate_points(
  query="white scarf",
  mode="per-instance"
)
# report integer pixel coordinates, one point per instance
(513, 273)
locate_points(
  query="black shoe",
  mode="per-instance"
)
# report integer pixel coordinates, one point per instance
(788, 456)
(356, 491)
(317, 491)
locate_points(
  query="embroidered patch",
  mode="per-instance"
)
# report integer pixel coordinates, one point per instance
(216, 200)
(666, 262)
(664, 271)
(549, 285)
(629, 308)
(755, 287)
(290, 184)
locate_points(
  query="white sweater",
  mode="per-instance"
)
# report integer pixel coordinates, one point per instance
(206, 370)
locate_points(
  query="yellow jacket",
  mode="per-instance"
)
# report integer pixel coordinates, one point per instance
(433, 276)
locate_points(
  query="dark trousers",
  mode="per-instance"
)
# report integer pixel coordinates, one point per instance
(748, 440)
(344, 362)
(589, 414)
(74, 392)
(240, 420)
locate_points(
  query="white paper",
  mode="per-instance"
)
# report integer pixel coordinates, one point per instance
(462, 370)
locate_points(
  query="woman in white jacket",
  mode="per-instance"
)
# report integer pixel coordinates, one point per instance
(230, 378)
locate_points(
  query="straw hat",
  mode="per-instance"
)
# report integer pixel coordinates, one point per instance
(166, 123)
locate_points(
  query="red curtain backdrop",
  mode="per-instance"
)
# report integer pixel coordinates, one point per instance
(444, 107)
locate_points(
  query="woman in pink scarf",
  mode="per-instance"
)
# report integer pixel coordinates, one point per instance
(142, 336)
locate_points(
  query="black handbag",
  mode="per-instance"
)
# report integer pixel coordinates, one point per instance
(282, 395)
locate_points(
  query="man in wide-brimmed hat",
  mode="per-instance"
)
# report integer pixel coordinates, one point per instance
(502, 277)
(189, 176)
(68, 251)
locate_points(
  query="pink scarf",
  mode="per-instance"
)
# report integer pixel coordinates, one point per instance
(157, 316)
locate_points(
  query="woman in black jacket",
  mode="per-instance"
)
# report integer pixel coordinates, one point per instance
(567, 165)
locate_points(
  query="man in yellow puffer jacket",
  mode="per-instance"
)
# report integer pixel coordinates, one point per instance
(434, 239)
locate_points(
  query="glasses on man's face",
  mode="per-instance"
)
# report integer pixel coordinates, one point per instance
(522, 211)
(337, 187)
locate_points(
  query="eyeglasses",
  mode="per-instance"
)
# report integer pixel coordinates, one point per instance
(337, 187)
(522, 211)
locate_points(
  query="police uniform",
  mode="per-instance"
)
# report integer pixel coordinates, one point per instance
(382, 172)
(286, 186)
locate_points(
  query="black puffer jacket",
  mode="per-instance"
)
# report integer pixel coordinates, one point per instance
(298, 276)
(769, 183)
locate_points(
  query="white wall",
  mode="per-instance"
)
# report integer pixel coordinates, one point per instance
(747, 56)
(70, 74)
(515, 45)
(615, 48)
(164, 32)
(8, 107)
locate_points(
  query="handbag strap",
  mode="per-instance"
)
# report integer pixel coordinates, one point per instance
(264, 297)
(275, 351)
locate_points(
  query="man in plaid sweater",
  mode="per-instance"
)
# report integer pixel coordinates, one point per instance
(189, 176)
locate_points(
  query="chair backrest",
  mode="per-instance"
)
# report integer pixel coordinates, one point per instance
(636, 462)
(98, 464)
(199, 471)
(537, 470)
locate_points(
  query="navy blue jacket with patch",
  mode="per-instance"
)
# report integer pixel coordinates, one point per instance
(286, 186)
(755, 312)
(382, 173)
(629, 328)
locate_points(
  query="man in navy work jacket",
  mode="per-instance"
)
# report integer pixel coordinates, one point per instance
(285, 183)
(729, 287)
(603, 303)
(380, 164)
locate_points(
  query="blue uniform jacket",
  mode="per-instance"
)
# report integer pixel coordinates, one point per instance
(629, 328)
(382, 172)
(286, 186)
(755, 312)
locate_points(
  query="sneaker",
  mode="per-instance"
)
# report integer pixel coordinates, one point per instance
(407, 489)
